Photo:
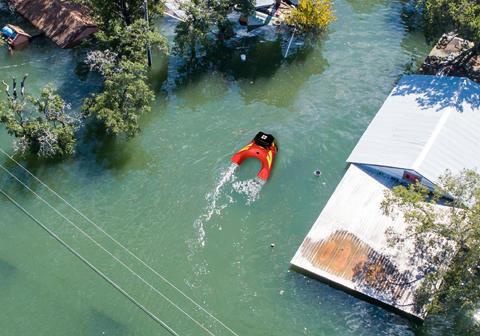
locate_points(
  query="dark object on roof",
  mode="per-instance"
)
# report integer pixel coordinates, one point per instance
(62, 21)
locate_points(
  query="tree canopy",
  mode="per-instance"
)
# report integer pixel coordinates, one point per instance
(125, 94)
(40, 125)
(203, 20)
(443, 16)
(449, 240)
(123, 65)
(132, 41)
(111, 13)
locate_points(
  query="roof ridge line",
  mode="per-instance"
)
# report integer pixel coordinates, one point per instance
(439, 127)
(432, 138)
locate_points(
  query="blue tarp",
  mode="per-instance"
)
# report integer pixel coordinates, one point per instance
(8, 31)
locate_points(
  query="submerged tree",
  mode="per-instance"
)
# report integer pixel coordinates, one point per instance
(125, 94)
(203, 19)
(42, 125)
(110, 14)
(449, 240)
(125, 37)
(132, 42)
(311, 16)
(206, 22)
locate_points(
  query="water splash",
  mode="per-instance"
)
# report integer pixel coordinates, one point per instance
(218, 199)
(251, 188)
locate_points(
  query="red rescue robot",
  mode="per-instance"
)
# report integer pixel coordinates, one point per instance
(263, 148)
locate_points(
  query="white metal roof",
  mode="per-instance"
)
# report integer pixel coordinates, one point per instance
(427, 124)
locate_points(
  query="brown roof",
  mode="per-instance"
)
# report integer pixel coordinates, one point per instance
(60, 20)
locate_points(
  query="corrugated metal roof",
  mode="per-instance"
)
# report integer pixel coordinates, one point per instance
(347, 244)
(427, 124)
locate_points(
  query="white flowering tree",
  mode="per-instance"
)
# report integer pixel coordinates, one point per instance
(125, 94)
(41, 126)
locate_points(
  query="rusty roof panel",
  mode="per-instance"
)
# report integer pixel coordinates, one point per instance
(347, 244)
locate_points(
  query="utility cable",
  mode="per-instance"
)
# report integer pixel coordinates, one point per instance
(108, 252)
(119, 244)
(96, 270)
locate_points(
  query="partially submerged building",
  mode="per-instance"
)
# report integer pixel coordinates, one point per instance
(15, 36)
(61, 20)
(428, 124)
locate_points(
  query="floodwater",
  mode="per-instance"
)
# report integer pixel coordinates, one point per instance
(174, 200)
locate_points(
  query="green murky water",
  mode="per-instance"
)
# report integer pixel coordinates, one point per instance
(170, 196)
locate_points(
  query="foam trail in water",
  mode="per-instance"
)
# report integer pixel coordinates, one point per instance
(212, 199)
(251, 188)
(214, 196)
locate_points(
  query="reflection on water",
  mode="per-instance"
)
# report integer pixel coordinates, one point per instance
(265, 66)
(7, 273)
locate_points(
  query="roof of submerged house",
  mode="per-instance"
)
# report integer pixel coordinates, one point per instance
(60, 20)
(427, 124)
